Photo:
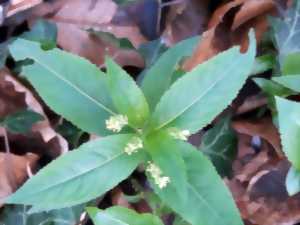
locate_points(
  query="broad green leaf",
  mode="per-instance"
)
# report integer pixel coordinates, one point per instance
(165, 153)
(291, 64)
(291, 81)
(18, 215)
(80, 175)
(220, 145)
(273, 88)
(289, 128)
(286, 33)
(22, 121)
(263, 63)
(209, 202)
(121, 216)
(69, 84)
(198, 97)
(293, 181)
(159, 77)
(127, 96)
(44, 32)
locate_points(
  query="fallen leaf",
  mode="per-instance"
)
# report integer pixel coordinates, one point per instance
(185, 19)
(13, 172)
(263, 128)
(229, 25)
(21, 5)
(76, 17)
(250, 10)
(15, 97)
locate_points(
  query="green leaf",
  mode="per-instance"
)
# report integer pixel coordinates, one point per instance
(127, 97)
(79, 176)
(289, 128)
(159, 77)
(286, 34)
(291, 64)
(22, 121)
(110, 38)
(209, 202)
(293, 181)
(121, 216)
(165, 153)
(18, 215)
(263, 63)
(220, 145)
(44, 32)
(198, 97)
(290, 81)
(69, 84)
(273, 88)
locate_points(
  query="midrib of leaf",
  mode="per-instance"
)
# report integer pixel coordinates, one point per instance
(81, 174)
(196, 100)
(205, 202)
(73, 86)
(220, 154)
(206, 149)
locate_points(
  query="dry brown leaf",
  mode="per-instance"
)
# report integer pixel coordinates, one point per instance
(186, 19)
(220, 12)
(252, 167)
(263, 128)
(21, 5)
(81, 13)
(92, 48)
(251, 9)
(224, 33)
(264, 199)
(76, 17)
(13, 172)
(20, 97)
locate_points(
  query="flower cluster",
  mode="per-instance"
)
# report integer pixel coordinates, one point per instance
(116, 123)
(156, 173)
(133, 145)
(179, 134)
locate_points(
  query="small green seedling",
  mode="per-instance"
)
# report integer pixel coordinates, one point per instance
(146, 126)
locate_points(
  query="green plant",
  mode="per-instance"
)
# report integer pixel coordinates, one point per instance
(153, 124)
(286, 82)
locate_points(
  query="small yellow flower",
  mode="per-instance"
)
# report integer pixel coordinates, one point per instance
(133, 145)
(116, 123)
(179, 134)
(156, 173)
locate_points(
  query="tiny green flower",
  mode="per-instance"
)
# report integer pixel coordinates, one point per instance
(133, 145)
(156, 173)
(116, 123)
